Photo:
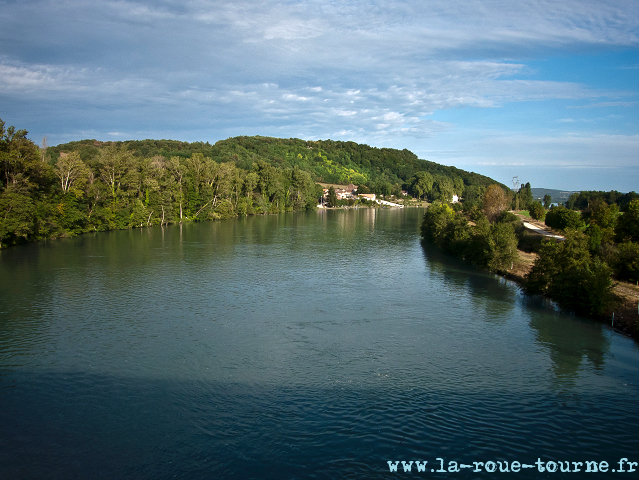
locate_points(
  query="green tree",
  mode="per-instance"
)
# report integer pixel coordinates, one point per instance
(524, 197)
(627, 228)
(363, 189)
(626, 264)
(177, 168)
(547, 201)
(302, 189)
(113, 165)
(502, 247)
(492, 246)
(595, 236)
(473, 194)
(19, 157)
(567, 273)
(561, 218)
(443, 189)
(17, 212)
(571, 203)
(600, 213)
(435, 222)
(332, 197)
(601, 220)
(71, 171)
(537, 211)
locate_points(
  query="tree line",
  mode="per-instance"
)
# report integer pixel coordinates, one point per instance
(383, 171)
(600, 245)
(89, 185)
(115, 189)
(486, 237)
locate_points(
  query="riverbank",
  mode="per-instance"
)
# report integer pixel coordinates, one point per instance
(626, 311)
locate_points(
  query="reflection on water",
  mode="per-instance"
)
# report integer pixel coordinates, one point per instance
(291, 346)
(489, 295)
(570, 341)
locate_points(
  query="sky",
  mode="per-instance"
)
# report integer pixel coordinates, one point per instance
(545, 91)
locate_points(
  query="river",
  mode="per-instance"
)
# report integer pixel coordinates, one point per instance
(301, 345)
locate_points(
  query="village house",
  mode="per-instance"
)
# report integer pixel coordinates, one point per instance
(342, 193)
(368, 196)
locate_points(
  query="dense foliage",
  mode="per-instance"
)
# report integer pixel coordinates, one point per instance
(492, 246)
(560, 218)
(576, 272)
(91, 185)
(523, 199)
(581, 200)
(627, 227)
(601, 243)
(112, 188)
(384, 171)
(537, 211)
(567, 272)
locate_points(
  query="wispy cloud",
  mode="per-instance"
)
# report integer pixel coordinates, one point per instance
(607, 104)
(378, 72)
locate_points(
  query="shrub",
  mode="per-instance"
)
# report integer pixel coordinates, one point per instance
(507, 217)
(435, 221)
(627, 228)
(626, 266)
(561, 218)
(567, 273)
(537, 211)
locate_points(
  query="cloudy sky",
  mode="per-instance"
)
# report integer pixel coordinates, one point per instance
(544, 90)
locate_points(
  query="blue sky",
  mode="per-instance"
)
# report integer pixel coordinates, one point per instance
(547, 91)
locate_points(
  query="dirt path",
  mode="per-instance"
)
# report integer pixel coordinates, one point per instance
(538, 226)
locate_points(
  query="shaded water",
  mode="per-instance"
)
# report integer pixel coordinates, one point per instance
(311, 345)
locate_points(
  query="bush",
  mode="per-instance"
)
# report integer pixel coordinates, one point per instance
(529, 242)
(537, 211)
(488, 246)
(435, 222)
(507, 217)
(626, 266)
(561, 218)
(567, 273)
(627, 228)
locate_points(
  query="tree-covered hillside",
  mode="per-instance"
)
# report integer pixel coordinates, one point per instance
(92, 186)
(327, 161)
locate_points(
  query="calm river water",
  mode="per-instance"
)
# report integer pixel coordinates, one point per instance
(308, 345)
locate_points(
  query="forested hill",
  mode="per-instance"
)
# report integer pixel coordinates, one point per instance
(327, 160)
(92, 186)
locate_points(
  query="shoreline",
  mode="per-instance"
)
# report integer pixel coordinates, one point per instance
(626, 314)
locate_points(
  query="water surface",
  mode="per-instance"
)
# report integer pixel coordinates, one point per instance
(306, 345)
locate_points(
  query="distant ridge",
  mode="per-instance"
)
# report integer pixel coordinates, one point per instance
(558, 196)
(328, 161)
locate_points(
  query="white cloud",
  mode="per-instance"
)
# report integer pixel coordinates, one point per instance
(23, 79)
(374, 72)
(297, 98)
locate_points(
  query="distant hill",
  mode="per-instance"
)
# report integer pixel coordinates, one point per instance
(327, 161)
(90, 186)
(558, 196)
